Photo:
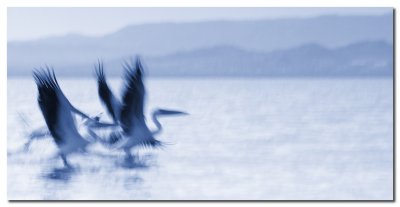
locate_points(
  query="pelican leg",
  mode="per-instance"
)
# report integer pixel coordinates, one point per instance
(129, 157)
(64, 159)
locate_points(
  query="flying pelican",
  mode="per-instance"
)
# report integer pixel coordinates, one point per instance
(58, 114)
(128, 113)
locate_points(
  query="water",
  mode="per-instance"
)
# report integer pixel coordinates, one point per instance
(244, 139)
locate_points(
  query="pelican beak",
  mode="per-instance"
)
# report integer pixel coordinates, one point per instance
(172, 112)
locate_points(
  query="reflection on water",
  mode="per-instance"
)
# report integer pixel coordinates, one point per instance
(65, 173)
(62, 174)
(95, 168)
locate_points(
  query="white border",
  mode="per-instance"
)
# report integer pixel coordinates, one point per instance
(201, 3)
(157, 3)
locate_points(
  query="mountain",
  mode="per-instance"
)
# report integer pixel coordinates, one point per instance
(371, 58)
(175, 46)
(359, 59)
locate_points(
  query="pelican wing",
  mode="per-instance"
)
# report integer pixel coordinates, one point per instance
(133, 96)
(106, 96)
(54, 108)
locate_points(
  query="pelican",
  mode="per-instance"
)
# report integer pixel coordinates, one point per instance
(128, 113)
(58, 114)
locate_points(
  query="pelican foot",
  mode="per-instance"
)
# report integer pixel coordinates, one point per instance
(65, 162)
(129, 158)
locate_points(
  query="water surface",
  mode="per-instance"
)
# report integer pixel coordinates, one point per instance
(244, 139)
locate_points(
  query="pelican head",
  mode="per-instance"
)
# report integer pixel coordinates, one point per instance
(163, 112)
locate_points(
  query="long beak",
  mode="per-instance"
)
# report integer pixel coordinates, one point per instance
(171, 112)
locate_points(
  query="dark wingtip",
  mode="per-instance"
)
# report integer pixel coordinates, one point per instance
(99, 69)
(153, 143)
(139, 66)
(134, 67)
(45, 77)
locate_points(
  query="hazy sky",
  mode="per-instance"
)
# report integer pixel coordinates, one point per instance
(33, 23)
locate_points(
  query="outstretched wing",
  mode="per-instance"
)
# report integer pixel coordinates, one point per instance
(133, 96)
(106, 96)
(49, 102)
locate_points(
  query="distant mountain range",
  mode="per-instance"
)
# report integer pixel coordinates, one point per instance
(359, 59)
(320, 46)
